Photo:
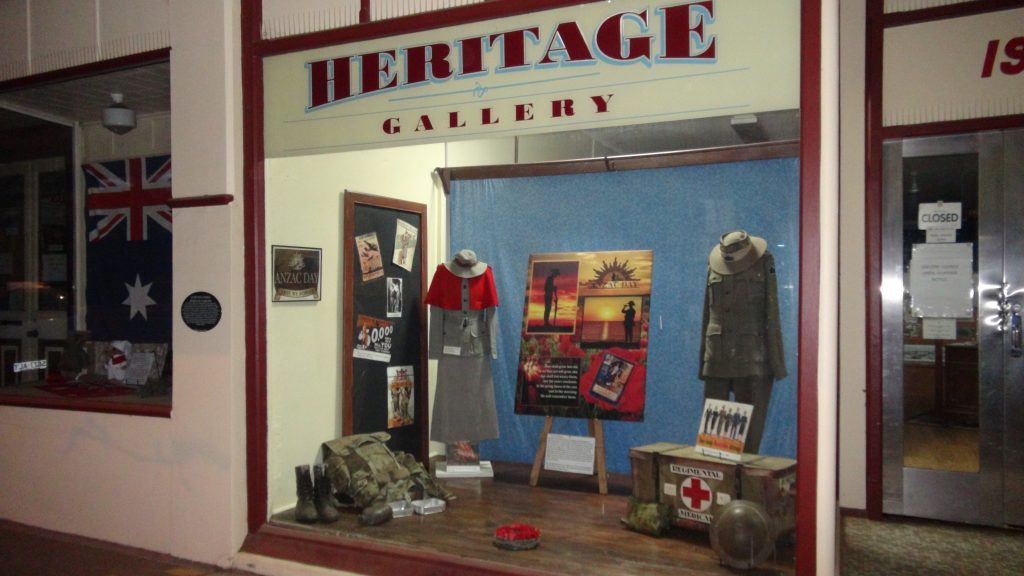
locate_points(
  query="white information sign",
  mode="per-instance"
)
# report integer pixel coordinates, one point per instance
(30, 365)
(938, 328)
(939, 215)
(940, 235)
(570, 454)
(941, 280)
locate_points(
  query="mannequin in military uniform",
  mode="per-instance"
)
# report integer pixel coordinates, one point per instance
(741, 348)
(463, 331)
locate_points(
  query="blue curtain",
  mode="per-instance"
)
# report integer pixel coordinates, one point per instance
(679, 213)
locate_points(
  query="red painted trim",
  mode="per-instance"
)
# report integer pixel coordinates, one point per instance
(255, 275)
(810, 239)
(873, 256)
(197, 201)
(254, 49)
(86, 70)
(86, 405)
(948, 11)
(364, 11)
(953, 127)
(407, 24)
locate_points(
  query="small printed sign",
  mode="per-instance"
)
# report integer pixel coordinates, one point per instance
(939, 215)
(938, 328)
(30, 365)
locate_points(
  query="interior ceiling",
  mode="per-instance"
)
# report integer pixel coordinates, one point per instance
(147, 90)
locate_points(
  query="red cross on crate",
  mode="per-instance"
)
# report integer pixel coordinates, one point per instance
(696, 494)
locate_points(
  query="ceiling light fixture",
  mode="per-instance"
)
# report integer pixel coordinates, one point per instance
(117, 117)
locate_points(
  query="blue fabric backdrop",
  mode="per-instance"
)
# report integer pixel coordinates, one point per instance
(680, 213)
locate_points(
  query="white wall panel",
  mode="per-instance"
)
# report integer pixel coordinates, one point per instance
(852, 270)
(98, 475)
(14, 31)
(935, 71)
(291, 17)
(208, 460)
(305, 207)
(132, 26)
(62, 34)
(385, 9)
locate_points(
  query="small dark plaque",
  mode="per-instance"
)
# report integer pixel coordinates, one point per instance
(200, 311)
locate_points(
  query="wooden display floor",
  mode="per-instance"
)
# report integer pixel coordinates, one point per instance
(580, 534)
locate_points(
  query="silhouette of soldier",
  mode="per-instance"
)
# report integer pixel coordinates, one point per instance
(550, 295)
(628, 320)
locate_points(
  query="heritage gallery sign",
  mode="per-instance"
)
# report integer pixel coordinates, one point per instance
(599, 64)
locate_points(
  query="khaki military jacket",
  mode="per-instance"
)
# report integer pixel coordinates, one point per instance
(741, 332)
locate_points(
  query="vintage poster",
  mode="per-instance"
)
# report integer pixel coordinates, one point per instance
(405, 244)
(296, 273)
(400, 396)
(373, 339)
(583, 351)
(723, 428)
(394, 298)
(368, 249)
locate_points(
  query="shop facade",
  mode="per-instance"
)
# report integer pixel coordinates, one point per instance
(211, 475)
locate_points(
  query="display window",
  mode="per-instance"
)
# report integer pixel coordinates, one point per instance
(559, 259)
(85, 255)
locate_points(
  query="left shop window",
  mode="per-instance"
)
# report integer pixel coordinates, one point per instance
(85, 255)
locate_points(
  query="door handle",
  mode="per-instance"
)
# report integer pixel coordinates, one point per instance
(1015, 332)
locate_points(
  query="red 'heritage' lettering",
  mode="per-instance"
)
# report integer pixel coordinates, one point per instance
(570, 43)
(677, 30)
(609, 39)
(622, 38)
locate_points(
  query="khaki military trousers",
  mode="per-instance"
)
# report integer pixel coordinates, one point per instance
(753, 390)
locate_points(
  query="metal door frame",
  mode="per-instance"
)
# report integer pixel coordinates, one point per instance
(939, 494)
(1013, 451)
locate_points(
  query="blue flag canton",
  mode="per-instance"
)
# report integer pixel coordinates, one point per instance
(128, 254)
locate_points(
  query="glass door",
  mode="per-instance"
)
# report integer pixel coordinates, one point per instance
(952, 225)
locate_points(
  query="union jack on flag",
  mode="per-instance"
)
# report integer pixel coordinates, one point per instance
(133, 191)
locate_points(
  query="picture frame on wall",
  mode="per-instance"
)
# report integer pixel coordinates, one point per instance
(296, 273)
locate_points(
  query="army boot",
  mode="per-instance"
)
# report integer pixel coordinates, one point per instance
(325, 509)
(305, 510)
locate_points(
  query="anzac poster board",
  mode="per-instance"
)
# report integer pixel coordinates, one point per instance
(385, 321)
(583, 349)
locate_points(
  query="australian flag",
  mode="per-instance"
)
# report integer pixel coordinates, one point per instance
(128, 255)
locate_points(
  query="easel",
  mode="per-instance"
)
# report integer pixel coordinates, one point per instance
(596, 430)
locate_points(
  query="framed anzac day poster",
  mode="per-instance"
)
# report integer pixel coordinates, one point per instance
(296, 274)
(384, 348)
(583, 348)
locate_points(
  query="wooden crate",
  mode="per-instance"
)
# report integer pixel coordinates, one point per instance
(698, 486)
(643, 462)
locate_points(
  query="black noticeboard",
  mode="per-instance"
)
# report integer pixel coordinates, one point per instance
(385, 321)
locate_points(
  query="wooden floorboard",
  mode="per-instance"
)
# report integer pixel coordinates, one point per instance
(580, 533)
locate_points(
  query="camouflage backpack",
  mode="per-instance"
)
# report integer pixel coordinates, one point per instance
(651, 518)
(364, 471)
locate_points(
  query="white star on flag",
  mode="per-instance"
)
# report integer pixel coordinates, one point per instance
(138, 298)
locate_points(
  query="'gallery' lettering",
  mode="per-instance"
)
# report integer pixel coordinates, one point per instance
(521, 112)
